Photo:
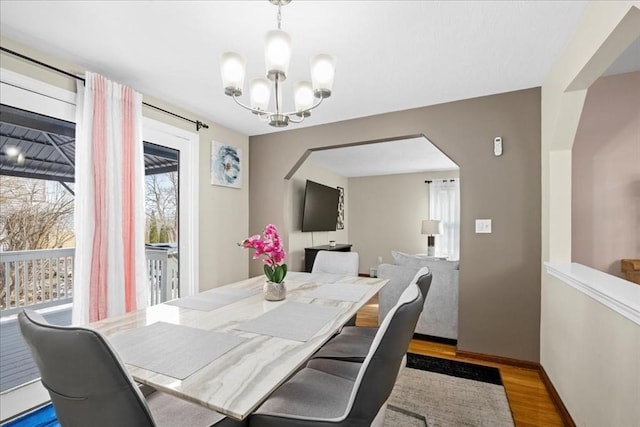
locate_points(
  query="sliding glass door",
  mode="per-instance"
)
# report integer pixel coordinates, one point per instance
(37, 155)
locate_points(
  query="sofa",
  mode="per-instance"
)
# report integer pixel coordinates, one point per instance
(439, 317)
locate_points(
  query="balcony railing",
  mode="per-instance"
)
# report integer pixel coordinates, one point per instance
(43, 278)
(162, 273)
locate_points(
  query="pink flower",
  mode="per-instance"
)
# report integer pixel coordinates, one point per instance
(251, 241)
(269, 245)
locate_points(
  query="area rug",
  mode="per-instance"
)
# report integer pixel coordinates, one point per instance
(441, 393)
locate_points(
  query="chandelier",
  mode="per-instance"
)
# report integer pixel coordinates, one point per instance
(307, 95)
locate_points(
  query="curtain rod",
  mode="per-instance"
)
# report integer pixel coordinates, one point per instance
(198, 123)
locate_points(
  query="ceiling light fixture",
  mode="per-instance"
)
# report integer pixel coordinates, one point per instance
(14, 154)
(307, 95)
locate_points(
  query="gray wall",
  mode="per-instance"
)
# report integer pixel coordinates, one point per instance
(499, 309)
(297, 239)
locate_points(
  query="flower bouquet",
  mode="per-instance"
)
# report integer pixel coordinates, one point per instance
(270, 247)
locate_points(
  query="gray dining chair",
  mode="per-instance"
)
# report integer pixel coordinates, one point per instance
(341, 393)
(334, 262)
(353, 342)
(89, 385)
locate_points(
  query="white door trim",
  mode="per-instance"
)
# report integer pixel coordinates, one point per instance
(20, 91)
(187, 143)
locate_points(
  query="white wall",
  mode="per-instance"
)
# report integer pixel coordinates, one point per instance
(223, 212)
(224, 215)
(294, 201)
(589, 352)
(386, 214)
(591, 355)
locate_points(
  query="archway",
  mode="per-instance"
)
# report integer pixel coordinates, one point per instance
(370, 173)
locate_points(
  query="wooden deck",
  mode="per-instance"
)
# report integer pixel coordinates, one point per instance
(16, 365)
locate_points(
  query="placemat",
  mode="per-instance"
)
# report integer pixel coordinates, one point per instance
(340, 292)
(174, 350)
(292, 320)
(315, 277)
(215, 298)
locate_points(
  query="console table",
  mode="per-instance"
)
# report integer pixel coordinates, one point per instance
(310, 253)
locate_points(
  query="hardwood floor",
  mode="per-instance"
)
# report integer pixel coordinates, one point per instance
(528, 397)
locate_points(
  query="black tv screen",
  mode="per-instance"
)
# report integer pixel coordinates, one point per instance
(320, 211)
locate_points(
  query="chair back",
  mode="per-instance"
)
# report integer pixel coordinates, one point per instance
(335, 262)
(423, 280)
(87, 382)
(380, 368)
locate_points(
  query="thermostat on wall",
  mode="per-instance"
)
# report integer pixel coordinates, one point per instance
(497, 146)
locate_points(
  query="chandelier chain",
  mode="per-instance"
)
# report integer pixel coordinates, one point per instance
(279, 15)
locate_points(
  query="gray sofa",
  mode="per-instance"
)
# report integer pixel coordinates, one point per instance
(440, 315)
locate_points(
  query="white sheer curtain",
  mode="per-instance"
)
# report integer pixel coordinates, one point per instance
(444, 205)
(109, 273)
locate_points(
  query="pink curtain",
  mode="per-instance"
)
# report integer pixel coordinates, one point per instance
(109, 217)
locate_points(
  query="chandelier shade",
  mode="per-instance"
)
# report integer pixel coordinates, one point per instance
(277, 53)
(232, 68)
(260, 91)
(323, 68)
(277, 56)
(303, 96)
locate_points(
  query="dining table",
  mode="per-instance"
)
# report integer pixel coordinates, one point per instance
(228, 348)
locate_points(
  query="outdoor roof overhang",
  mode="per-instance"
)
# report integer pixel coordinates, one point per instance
(48, 147)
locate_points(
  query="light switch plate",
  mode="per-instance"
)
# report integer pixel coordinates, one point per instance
(483, 226)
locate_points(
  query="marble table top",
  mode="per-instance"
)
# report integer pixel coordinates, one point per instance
(238, 381)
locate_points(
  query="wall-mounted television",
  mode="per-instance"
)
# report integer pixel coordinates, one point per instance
(320, 211)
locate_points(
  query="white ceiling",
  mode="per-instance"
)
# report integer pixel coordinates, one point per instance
(411, 155)
(392, 55)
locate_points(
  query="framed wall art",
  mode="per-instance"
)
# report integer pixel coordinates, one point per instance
(340, 223)
(226, 165)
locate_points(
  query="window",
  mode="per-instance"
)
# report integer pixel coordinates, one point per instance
(444, 205)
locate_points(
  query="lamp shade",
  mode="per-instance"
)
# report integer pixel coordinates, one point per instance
(260, 90)
(303, 96)
(232, 69)
(430, 226)
(277, 52)
(323, 70)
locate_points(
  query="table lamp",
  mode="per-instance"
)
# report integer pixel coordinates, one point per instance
(431, 227)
